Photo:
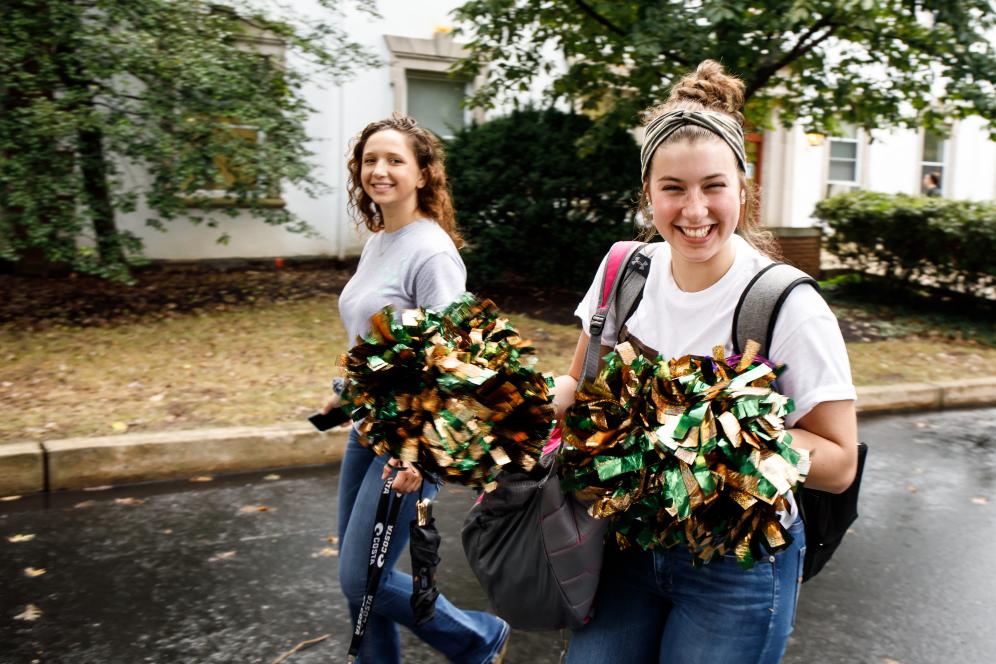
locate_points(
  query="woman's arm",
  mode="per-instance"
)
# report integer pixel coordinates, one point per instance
(830, 432)
(565, 386)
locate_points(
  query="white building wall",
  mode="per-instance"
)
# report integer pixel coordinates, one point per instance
(794, 170)
(971, 162)
(341, 112)
(893, 164)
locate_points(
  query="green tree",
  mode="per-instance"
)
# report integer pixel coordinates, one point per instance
(871, 63)
(183, 94)
(530, 206)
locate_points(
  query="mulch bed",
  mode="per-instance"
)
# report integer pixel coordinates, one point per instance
(37, 302)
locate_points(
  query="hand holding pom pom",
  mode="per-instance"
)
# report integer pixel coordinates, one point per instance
(690, 451)
(453, 393)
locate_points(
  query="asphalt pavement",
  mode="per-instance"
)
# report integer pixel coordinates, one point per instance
(240, 569)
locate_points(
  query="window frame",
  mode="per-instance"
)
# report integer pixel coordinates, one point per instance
(264, 43)
(419, 74)
(856, 142)
(938, 166)
(429, 58)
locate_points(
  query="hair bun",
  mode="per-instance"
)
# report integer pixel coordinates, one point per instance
(711, 88)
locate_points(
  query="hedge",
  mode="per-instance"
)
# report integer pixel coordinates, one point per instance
(932, 241)
(532, 208)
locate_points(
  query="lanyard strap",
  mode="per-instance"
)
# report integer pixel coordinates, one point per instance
(384, 524)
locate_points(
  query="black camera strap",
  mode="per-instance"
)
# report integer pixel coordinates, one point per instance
(384, 523)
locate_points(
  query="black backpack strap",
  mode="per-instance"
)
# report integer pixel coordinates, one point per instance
(759, 305)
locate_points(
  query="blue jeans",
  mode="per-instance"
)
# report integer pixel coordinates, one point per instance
(473, 637)
(653, 606)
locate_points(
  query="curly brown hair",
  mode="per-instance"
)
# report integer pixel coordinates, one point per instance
(433, 198)
(710, 88)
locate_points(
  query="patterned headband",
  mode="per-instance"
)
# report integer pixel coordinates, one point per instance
(663, 127)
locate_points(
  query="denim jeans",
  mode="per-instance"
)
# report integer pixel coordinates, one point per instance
(462, 636)
(655, 607)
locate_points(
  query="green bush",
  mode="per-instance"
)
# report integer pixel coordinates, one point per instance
(531, 207)
(933, 241)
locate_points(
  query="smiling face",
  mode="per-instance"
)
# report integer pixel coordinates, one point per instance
(390, 174)
(696, 196)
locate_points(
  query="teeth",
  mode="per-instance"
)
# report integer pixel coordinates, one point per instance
(701, 231)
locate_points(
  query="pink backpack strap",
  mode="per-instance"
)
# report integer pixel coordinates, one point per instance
(615, 270)
(618, 255)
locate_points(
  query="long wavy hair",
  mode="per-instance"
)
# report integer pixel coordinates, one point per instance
(709, 87)
(433, 198)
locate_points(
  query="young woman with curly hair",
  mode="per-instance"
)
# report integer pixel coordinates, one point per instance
(397, 189)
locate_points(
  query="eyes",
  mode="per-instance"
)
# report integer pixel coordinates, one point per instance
(394, 161)
(674, 188)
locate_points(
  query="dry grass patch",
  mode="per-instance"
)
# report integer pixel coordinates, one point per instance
(272, 362)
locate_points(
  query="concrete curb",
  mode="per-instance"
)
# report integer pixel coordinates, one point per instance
(77, 463)
(22, 468)
(904, 397)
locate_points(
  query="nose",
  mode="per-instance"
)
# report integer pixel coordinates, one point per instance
(695, 206)
(379, 168)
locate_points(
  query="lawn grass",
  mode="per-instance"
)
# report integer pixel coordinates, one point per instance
(272, 362)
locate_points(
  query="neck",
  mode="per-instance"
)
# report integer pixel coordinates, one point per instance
(396, 218)
(693, 277)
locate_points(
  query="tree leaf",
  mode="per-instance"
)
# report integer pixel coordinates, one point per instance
(20, 538)
(30, 613)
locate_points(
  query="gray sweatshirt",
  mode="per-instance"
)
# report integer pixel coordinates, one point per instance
(415, 266)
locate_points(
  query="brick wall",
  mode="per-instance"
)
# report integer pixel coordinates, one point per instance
(800, 247)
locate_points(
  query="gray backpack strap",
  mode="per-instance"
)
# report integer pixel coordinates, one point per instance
(617, 268)
(760, 302)
(631, 288)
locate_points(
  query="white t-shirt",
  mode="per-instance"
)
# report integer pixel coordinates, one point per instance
(806, 337)
(415, 266)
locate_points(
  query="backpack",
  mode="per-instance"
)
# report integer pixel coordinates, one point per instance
(826, 516)
(536, 551)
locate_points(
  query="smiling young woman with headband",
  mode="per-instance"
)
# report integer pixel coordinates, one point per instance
(657, 605)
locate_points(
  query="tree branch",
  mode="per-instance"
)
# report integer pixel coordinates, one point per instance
(801, 48)
(302, 645)
(598, 18)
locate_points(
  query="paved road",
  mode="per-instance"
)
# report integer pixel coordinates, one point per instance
(189, 576)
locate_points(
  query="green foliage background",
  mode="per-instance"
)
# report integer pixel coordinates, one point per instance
(530, 207)
(817, 62)
(93, 91)
(912, 238)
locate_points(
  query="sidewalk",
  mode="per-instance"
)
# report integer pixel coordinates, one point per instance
(77, 463)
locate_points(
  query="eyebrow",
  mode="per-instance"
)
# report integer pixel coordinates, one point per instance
(674, 179)
(373, 153)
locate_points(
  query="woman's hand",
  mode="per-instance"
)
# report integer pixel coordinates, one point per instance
(564, 388)
(336, 402)
(333, 403)
(408, 478)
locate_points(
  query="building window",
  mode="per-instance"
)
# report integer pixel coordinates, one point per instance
(844, 165)
(844, 158)
(423, 86)
(268, 49)
(932, 164)
(436, 102)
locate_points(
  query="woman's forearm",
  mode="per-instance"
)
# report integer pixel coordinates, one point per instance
(830, 433)
(564, 388)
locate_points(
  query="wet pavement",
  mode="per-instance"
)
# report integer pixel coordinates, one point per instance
(240, 569)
